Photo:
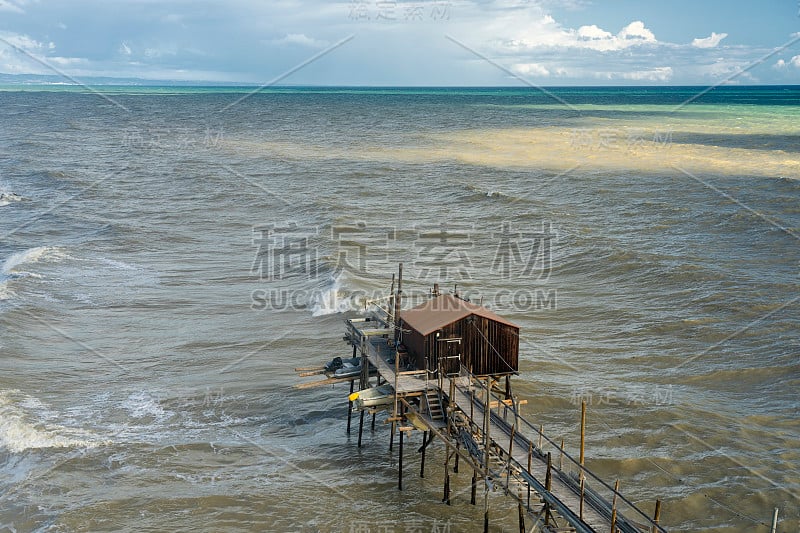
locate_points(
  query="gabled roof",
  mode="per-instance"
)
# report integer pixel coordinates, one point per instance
(445, 309)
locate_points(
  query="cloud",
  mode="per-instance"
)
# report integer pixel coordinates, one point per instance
(794, 62)
(548, 33)
(300, 39)
(125, 49)
(24, 42)
(653, 74)
(11, 7)
(636, 30)
(530, 69)
(593, 32)
(709, 42)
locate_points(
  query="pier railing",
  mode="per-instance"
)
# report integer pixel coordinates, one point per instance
(604, 498)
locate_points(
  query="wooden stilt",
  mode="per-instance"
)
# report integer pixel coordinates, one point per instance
(360, 427)
(774, 526)
(548, 479)
(373, 421)
(391, 435)
(583, 446)
(350, 404)
(510, 456)
(446, 495)
(530, 457)
(614, 508)
(422, 459)
(400, 459)
(521, 513)
(656, 515)
(474, 487)
(561, 457)
(455, 466)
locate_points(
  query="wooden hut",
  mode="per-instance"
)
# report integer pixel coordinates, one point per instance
(446, 332)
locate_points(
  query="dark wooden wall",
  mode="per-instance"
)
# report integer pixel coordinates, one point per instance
(477, 354)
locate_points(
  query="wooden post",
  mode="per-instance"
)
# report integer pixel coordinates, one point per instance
(400, 458)
(349, 403)
(774, 527)
(521, 518)
(656, 516)
(530, 456)
(541, 433)
(422, 459)
(455, 466)
(474, 486)
(446, 496)
(583, 446)
(397, 304)
(391, 435)
(614, 508)
(561, 457)
(487, 417)
(583, 481)
(548, 478)
(360, 427)
(373, 420)
(583, 434)
(510, 456)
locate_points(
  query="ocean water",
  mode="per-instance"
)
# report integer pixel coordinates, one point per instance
(168, 256)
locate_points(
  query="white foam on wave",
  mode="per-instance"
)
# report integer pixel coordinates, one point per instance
(144, 405)
(7, 198)
(25, 423)
(12, 267)
(333, 299)
(31, 255)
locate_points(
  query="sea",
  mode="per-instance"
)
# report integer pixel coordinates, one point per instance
(170, 255)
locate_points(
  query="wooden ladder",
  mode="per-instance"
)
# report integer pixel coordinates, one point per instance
(434, 404)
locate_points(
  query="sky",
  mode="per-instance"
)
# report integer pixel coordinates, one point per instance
(406, 42)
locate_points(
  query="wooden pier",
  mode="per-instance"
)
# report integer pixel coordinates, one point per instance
(479, 422)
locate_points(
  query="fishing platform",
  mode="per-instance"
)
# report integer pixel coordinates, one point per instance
(444, 368)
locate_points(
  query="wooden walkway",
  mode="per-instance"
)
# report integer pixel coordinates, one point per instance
(551, 496)
(567, 498)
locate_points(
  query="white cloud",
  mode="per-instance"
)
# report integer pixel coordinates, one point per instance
(11, 7)
(709, 42)
(300, 39)
(67, 61)
(24, 42)
(653, 74)
(531, 69)
(794, 62)
(125, 49)
(636, 30)
(593, 32)
(547, 33)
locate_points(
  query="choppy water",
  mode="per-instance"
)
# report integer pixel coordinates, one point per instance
(150, 323)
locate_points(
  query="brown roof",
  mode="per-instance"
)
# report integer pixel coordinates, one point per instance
(443, 310)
